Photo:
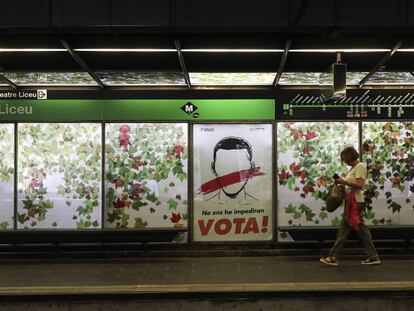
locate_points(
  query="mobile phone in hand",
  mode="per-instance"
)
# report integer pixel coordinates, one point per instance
(335, 176)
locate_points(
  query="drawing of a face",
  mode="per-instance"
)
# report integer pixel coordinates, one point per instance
(230, 155)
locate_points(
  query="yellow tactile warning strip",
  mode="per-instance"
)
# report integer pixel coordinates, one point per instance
(208, 288)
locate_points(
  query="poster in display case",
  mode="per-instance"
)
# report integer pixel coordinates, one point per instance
(308, 155)
(388, 152)
(232, 182)
(146, 175)
(6, 176)
(59, 175)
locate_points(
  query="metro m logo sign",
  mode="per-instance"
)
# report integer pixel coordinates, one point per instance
(189, 108)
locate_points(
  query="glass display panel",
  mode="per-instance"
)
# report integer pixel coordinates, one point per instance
(388, 150)
(146, 175)
(232, 182)
(59, 175)
(6, 176)
(308, 157)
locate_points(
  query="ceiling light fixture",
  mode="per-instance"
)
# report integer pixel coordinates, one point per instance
(233, 50)
(338, 50)
(126, 50)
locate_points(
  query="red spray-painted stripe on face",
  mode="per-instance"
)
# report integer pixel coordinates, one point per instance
(229, 179)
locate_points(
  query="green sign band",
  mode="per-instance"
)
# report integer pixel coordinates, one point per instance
(136, 110)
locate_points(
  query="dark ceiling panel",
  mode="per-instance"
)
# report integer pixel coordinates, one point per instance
(141, 13)
(341, 41)
(409, 13)
(315, 13)
(40, 61)
(362, 61)
(131, 61)
(24, 13)
(309, 62)
(90, 13)
(39, 42)
(232, 62)
(233, 41)
(231, 13)
(369, 13)
(402, 61)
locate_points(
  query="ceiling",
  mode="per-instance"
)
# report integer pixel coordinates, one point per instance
(125, 42)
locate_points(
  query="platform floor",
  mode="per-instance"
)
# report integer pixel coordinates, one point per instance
(202, 275)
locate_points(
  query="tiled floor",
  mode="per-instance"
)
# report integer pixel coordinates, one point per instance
(202, 274)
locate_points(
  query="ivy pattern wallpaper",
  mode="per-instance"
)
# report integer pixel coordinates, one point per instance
(6, 175)
(388, 151)
(308, 157)
(146, 175)
(59, 175)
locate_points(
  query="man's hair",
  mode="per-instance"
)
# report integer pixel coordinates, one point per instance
(233, 143)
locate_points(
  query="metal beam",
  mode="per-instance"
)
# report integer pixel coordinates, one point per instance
(80, 61)
(282, 63)
(380, 64)
(182, 63)
(8, 81)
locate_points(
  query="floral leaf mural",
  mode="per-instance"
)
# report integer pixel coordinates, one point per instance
(308, 156)
(59, 180)
(388, 151)
(6, 175)
(146, 175)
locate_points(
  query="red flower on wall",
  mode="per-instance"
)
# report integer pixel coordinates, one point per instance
(306, 189)
(175, 218)
(118, 182)
(119, 203)
(137, 162)
(283, 175)
(302, 174)
(136, 190)
(310, 135)
(178, 149)
(124, 136)
(307, 148)
(294, 168)
(296, 133)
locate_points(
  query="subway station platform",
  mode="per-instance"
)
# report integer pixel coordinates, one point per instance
(207, 283)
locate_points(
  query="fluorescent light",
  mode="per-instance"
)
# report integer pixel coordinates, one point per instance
(126, 50)
(88, 50)
(339, 50)
(233, 50)
(32, 50)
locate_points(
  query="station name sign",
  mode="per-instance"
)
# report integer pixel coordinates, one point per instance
(32, 94)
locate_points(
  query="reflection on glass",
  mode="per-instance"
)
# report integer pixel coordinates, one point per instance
(141, 78)
(352, 78)
(50, 78)
(59, 179)
(388, 150)
(232, 182)
(6, 175)
(146, 175)
(384, 77)
(308, 157)
(300, 78)
(232, 78)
